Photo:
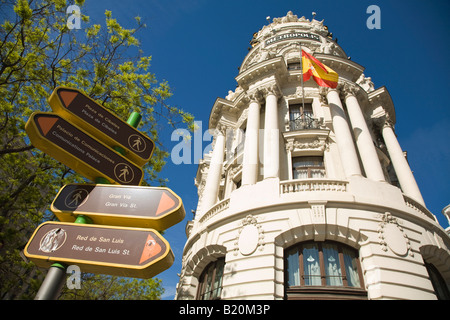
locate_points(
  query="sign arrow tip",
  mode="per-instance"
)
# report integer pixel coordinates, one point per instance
(67, 96)
(46, 123)
(165, 203)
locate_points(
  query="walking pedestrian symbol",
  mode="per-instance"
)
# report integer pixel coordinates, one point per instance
(76, 198)
(123, 172)
(137, 143)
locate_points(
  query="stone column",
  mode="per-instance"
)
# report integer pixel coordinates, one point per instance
(211, 190)
(344, 139)
(364, 141)
(271, 135)
(401, 166)
(250, 160)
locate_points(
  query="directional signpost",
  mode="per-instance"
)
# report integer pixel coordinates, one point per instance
(98, 121)
(80, 151)
(122, 239)
(130, 206)
(122, 251)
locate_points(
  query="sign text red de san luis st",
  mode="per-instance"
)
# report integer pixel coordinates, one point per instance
(123, 251)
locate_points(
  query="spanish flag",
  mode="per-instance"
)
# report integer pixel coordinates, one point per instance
(322, 75)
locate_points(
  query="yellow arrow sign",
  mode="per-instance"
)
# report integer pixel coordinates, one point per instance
(130, 206)
(122, 251)
(79, 151)
(84, 112)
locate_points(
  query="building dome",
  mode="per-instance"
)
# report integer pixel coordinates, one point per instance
(307, 193)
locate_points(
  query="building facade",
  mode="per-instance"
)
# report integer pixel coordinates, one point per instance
(307, 193)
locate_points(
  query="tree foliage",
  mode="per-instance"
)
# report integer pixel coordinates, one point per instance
(38, 52)
(103, 287)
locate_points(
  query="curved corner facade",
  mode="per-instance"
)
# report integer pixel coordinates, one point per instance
(307, 193)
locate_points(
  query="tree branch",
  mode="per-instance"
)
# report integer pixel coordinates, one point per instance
(13, 150)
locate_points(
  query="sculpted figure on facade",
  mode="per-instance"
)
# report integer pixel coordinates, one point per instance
(366, 83)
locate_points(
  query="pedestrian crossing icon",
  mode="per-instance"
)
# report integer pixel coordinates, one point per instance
(76, 198)
(137, 143)
(124, 173)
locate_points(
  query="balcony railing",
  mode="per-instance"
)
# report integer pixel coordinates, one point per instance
(410, 202)
(218, 207)
(304, 122)
(293, 186)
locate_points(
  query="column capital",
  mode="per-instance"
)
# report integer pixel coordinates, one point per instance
(255, 95)
(271, 89)
(348, 89)
(221, 129)
(324, 91)
(383, 121)
(387, 122)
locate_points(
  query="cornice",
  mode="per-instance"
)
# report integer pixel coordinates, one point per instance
(322, 133)
(381, 98)
(275, 66)
(341, 65)
(220, 105)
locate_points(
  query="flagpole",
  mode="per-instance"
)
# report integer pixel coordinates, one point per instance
(301, 77)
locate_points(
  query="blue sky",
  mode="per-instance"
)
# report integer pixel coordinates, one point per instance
(198, 45)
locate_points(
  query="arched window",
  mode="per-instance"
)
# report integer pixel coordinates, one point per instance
(210, 281)
(323, 270)
(439, 285)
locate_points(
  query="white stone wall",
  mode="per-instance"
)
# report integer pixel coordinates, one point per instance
(391, 239)
(251, 226)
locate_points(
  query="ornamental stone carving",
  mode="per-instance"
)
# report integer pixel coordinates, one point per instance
(255, 96)
(391, 235)
(348, 89)
(250, 237)
(366, 83)
(319, 145)
(271, 89)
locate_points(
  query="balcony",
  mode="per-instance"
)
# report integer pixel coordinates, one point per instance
(308, 185)
(305, 122)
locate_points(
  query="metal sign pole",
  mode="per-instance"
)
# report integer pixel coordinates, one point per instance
(54, 280)
(53, 283)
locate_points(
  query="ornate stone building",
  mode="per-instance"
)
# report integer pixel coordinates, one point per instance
(307, 192)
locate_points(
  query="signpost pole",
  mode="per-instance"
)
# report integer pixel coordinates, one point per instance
(53, 283)
(54, 280)
(134, 119)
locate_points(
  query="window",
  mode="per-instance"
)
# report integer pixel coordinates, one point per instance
(326, 269)
(238, 183)
(308, 167)
(301, 117)
(210, 282)
(439, 285)
(294, 66)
